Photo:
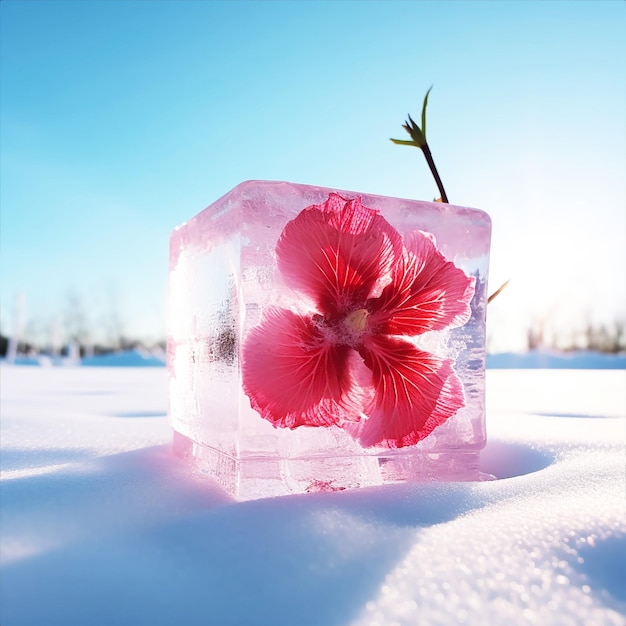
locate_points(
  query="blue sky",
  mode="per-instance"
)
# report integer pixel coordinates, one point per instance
(121, 120)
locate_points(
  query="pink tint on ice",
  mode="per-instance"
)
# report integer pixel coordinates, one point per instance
(320, 336)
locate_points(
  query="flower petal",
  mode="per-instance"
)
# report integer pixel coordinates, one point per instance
(427, 292)
(336, 252)
(415, 392)
(295, 377)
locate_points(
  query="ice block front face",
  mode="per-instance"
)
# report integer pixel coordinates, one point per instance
(323, 339)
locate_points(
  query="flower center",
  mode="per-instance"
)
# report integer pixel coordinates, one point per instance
(357, 320)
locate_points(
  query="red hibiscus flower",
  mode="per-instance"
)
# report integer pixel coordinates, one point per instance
(351, 361)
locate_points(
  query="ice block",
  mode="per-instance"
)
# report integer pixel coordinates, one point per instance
(322, 339)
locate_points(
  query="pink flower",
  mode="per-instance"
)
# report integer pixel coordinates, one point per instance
(351, 361)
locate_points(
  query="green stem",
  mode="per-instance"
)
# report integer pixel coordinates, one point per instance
(433, 169)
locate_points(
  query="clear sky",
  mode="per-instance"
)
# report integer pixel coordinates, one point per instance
(122, 119)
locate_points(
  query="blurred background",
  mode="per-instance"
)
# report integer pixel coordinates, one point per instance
(121, 120)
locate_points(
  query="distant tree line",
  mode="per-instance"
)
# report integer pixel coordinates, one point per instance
(604, 337)
(71, 332)
(84, 349)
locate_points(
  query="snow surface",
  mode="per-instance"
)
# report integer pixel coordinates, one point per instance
(102, 526)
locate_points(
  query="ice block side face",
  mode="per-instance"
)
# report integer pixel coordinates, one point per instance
(324, 339)
(202, 343)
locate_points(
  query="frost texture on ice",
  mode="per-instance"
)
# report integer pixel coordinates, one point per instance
(102, 524)
(224, 276)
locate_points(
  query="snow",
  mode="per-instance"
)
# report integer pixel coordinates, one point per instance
(102, 525)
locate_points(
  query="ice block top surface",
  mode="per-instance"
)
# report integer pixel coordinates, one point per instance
(259, 209)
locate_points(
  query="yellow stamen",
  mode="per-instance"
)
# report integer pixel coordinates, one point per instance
(357, 320)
